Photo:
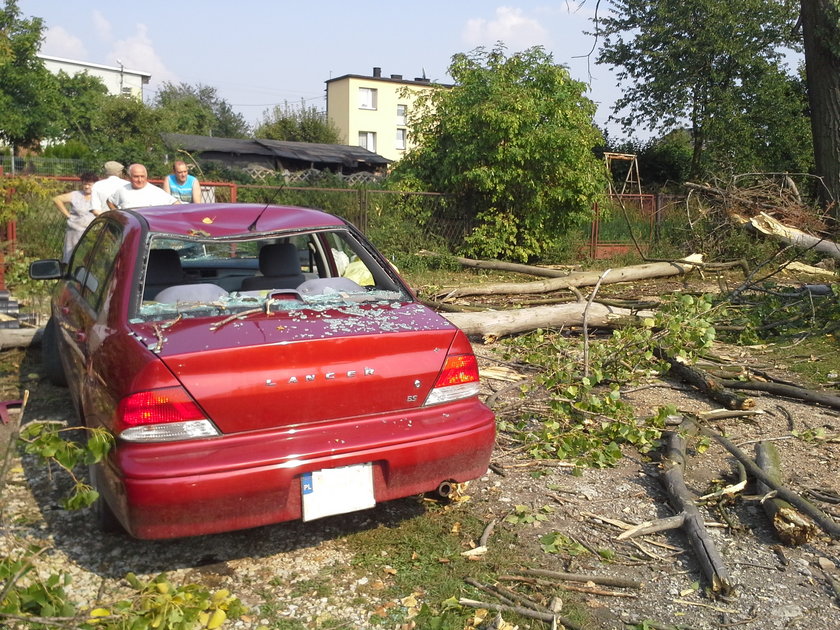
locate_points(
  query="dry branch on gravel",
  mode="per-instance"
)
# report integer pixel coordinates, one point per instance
(707, 384)
(788, 391)
(673, 465)
(790, 526)
(804, 506)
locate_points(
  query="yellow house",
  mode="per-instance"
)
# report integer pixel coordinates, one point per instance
(372, 112)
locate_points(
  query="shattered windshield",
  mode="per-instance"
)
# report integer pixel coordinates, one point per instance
(321, 270)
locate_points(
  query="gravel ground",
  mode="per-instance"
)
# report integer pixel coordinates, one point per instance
(777, 587)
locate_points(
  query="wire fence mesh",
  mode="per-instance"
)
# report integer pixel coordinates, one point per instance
(399, 223)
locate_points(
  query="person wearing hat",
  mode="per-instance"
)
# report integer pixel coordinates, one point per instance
(104, 188)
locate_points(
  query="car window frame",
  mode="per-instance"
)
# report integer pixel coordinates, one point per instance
(95, 268)
(104, 260)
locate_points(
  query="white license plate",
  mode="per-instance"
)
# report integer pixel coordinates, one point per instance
(337, 491)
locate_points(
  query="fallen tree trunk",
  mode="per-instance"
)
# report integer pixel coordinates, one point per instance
(580, 279)
(20, 337)
(789, 525)
(495, 324)
(792, 236)
(679, 497)
(499, 265)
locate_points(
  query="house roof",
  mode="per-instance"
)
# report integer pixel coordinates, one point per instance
(302, 151)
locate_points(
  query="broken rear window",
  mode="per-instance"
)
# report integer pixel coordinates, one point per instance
(195, 277)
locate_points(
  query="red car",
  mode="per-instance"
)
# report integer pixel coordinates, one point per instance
(256, 364)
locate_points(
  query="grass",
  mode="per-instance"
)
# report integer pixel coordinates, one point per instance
(815, 358)
(422, 571)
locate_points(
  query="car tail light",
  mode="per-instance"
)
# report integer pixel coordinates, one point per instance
(458, 379)
(162, 415)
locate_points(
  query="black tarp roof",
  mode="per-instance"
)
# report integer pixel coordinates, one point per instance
(327, 154)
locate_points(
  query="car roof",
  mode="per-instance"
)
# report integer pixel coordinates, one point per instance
(231, 219)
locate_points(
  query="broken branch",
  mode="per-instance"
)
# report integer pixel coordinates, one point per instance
(813, 512)
(707, 554)
(790, 526)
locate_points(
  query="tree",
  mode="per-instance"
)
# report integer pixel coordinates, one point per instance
(821, 35)
(28, 92)
(198, 110)
(663, 161)
(707, 62)
(767, 127)
(129, 131)
(81, 100)
(512, 143)
(297, 124)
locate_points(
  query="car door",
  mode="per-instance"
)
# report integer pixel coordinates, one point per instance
(79, 304)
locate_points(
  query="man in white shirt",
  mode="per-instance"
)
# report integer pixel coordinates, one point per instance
(104, 188)
(139, 193)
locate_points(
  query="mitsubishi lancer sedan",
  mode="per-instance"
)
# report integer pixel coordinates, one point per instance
(256, 364)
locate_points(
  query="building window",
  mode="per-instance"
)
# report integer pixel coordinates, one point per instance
(126, 91)
(367, 140)
(402, 110)
(401, 134)
(367, 98)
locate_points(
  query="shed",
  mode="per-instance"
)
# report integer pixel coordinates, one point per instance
(278, 155)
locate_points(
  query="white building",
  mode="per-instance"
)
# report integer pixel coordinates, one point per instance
(118, 79)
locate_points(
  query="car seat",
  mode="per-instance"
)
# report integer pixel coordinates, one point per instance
(280, 269)
(164, 270)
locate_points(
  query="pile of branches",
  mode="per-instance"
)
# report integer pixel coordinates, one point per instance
(749, 195)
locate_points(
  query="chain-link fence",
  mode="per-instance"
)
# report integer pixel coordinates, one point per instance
(398, 223)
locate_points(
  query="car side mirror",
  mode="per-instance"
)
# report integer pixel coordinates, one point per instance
(49, 269)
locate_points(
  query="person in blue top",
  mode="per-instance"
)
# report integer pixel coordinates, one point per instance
(181, 185)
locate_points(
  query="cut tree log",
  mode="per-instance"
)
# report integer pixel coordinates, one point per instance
(766, 224)
(673, 464)
(494, 324)
(790, 526)
(581, 278)
(20, 337)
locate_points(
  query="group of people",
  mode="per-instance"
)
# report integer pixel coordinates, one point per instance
(113, 192)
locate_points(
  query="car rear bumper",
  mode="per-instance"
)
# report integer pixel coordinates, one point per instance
(237, 482)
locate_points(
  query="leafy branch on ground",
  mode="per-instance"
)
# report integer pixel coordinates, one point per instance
(583, 417)
(46, 441)
(28, 600)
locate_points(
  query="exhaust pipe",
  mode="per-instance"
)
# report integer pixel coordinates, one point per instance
(445, 489)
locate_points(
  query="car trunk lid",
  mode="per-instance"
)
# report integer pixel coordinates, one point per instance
(302, 367)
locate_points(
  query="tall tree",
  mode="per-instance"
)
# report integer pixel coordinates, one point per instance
(512, 142)
(821, 34)
(28, 91)
(198, 110)
(701, 61)
(128, 130)
(81, 101)
(297, 124)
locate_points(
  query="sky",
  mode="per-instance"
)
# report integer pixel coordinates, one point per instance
(258, 54)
